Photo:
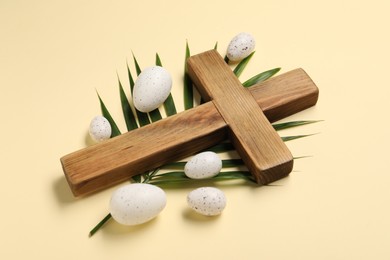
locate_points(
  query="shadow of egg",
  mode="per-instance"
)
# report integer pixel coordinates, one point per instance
(190, 214)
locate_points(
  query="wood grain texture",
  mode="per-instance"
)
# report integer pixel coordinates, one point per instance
(142, 149)
(285, 95)
(260, 147)
(116, 160)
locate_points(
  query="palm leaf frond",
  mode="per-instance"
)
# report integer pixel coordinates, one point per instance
(114, 128)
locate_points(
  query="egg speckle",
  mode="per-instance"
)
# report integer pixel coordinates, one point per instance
(137, 203)
(240, 47)
(203, 165)
(208, 201)
(99, 129)
(151, 88)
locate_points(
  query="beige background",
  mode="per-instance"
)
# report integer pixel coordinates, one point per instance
(335, 205)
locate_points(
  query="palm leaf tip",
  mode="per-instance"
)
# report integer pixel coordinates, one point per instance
(188, 88)
(261, 77)
(100, 224)
(137, 67)
(294, 137)
(131, 80)
(158, 60)
(290, 124)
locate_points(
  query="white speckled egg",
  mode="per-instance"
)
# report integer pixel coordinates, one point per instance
(208, 201)
(99, 129)
(203, 165)
(151, 88)
(137, 203)
(240, 47)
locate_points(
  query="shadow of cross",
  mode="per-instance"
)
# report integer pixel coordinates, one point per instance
(243, 115)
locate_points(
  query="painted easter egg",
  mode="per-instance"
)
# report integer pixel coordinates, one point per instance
(208, 201)
(137, 203)
(99, 129)
(203, 165)
(240, 47)
(151, 88)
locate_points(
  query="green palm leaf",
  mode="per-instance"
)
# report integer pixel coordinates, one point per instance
(293, 137)
(222, 147)
(260, 77)
(173, 174)
(281, 126)
(225, 164)
(158, 60)
(131, 80)
(128, 115)
(232, 163)
(114, 128)
(187, 84)
(136, 178)
(169, 104)
(241, 66)
(100, 224)
(177, 177)
(137, 67)
(143, 118)
(155, 114)
(233, 175)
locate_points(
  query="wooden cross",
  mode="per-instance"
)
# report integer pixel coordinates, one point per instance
(242, 115)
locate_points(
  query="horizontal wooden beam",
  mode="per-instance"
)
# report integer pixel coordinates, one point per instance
(116, 160)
